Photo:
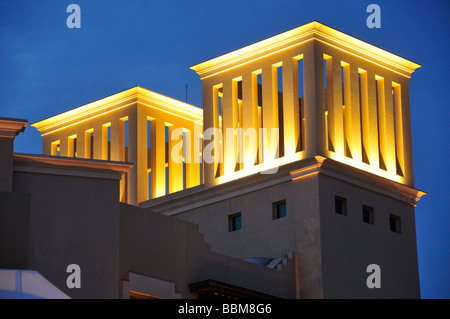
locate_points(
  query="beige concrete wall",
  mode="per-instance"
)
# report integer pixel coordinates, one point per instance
(349, 245)
(62, 215)
(14, 230)
(6, 149)
(173, 250)
(261, 235)
(333, 250)
(73, 220)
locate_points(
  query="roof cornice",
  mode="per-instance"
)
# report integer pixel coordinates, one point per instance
(115, 102)
(313, 30)
(59, 165)
(10, 127)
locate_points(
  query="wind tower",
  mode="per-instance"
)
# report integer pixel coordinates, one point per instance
(328, 175)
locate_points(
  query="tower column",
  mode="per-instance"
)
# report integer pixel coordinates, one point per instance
(355, 115)
(158, 161)
(192, 158)
(390, 128)
(373, 138)
(228, 127)
(270, 111)
(250, 118)
(407, 142)
(116, 140)
(97, 142)
(290, 106)
(175, 157)
(81, 144)
(64, 146)
(335, 110)
(137, 150)
(312, 66)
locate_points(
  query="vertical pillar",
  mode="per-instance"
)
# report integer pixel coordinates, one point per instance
(132, 151)
(373, 147)
(250, 118)
(175, 159)
(71, 145)
(290, 105)
(237, 116)
(355, 116)
(122, 158)
(311, 79)
(98, 141)
(210, 118)
(192, 159)
(118, 151)
(347, 110)
(407, 142)
(337, 118)
(381, 121)
(365, 117)
(158, 161)
(390, 130)
(105, 141)
(47, 145)
(115, 139)
(240, 137)
(122, 139)
(137, 150)
(228, 127)
(398, 116)
(64, 146)
(270, 111)
(81, 141)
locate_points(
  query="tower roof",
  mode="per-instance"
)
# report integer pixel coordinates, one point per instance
(313, 30)
(116, 101)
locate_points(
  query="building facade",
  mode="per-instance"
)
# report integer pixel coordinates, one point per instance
(301, 154)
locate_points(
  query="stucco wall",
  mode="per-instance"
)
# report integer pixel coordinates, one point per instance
(73, 220)
(349, 245)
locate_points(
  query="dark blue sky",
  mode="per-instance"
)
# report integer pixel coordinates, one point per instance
(47, 68)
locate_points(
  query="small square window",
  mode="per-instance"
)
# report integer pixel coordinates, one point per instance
(340, 205)
(368, 215)
(234, 222)
(394, 223)
(279, 209)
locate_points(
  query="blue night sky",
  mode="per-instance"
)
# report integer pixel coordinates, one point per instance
(47, 68)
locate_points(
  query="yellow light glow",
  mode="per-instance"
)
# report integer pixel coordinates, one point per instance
(118, 101)
(299, 35)
(391, 175)
(269, 166)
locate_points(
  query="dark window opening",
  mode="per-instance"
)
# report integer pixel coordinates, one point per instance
(368, 215)
(394, 223)
(234, 222)
(279, 209)
(340, 205)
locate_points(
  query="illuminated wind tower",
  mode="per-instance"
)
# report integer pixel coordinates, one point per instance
(335, 189)
(132, 126)
(328, 93)
(301, 154)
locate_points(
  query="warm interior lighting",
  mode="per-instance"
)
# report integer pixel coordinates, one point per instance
(55, 148)
(72, 146)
